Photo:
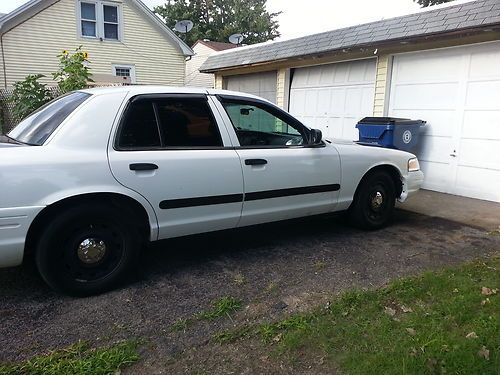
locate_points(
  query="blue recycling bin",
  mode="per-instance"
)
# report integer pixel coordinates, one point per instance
(391, 132)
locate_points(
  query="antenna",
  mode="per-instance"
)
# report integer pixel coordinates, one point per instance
(236, 39)
(183, 27)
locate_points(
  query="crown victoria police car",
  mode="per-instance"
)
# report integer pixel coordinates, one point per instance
(92, 176)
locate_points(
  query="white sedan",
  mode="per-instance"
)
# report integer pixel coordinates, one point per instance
(92, 176)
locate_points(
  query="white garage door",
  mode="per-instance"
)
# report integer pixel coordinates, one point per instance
(457, 90)
(260, 84)
(334, 97)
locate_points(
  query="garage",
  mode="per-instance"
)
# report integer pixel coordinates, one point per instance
(334, 97)
(260, 84)
(457, 90)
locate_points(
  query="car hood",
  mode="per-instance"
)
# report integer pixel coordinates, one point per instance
(374, 149)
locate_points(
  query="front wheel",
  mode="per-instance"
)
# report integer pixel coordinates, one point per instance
(87, 249)
(374, 201)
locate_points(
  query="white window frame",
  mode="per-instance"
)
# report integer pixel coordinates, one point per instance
(99, 4)
(125, 66)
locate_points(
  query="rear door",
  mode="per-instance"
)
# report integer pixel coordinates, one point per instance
(284, 177)
(170, 149)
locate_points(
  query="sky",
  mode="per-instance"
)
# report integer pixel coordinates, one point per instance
(301, 17)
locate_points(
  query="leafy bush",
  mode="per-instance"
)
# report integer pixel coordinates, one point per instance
(73, 73)
(29, 95)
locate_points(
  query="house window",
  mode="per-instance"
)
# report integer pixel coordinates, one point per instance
(100, 19)
(120, 70)
(89, 19)
(110, 22)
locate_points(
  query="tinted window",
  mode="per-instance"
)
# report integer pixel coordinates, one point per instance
(178, 122)
(36, 128)
(188, 123)
(139, 129)
(256, 126)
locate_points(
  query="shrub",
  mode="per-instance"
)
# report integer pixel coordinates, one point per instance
(29, 95)
(73, 73)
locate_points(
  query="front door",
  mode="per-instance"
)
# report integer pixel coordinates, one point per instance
(171, 150)
(284, 177)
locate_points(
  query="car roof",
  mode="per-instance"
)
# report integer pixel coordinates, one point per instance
(147, 89)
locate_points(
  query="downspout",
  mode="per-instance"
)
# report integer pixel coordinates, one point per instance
(3, 63)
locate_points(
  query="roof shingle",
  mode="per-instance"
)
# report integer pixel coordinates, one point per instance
(477, 13)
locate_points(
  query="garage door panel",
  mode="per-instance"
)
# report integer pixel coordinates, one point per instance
(337, 104)
(479, 153)
(483, 95)
(438, 121)
(260, 84)
(436, 175)
(481, 125)
(428, 67)
(434, 149)
(484, 65)
(471, 182)
(425, 96)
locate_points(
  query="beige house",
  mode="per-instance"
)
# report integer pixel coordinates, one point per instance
(440, 65)
(202, 49)
(124, 39)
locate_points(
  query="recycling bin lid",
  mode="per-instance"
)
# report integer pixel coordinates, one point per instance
(390, 121)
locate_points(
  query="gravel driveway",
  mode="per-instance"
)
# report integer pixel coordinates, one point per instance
(274, 269)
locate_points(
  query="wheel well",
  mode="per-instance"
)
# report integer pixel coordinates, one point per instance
(123, 202)
(391, 171)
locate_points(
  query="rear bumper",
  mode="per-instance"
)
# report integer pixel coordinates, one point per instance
(14, 225)
(411, 184)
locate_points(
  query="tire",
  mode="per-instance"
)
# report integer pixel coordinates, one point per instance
(87, 249)
(374, 201)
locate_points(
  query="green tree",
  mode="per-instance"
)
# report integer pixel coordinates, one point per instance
(218, 19)
(428, 3)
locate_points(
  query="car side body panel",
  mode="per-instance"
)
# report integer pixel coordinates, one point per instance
(75, 161)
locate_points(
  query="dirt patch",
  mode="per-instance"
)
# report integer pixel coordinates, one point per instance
(274, 269)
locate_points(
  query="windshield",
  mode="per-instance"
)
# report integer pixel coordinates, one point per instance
(37, 127)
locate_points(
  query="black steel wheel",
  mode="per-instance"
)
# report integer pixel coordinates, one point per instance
(374, 201)
(87, 249)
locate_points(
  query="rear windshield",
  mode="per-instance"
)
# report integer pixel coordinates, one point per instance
(37, 127)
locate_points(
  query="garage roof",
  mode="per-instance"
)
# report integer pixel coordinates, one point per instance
(465, 16)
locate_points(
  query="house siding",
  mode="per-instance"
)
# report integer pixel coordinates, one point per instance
(381, 84)
(283, 88)
(193, 76)
(32, 46)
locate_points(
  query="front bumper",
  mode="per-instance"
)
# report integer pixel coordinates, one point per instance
(14, 225)
(411, 184)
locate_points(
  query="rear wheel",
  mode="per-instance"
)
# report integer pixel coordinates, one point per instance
(87, 249)
(374, 201)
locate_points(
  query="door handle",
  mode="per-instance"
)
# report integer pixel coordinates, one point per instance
(255, 161)
(143, 167)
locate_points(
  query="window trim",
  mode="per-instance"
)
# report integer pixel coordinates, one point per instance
(125, 66)
(99, 21)
(273, 110)
(152, 97)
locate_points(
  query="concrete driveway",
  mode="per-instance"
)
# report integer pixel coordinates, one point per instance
(274, 269)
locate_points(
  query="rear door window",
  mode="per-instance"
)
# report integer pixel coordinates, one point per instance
(155, 123)
(36, 128)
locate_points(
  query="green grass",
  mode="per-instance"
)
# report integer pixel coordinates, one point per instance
(221, 307)
(414, 326)
(77, 359)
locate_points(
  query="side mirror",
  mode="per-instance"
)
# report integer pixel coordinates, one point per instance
(315, 137)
